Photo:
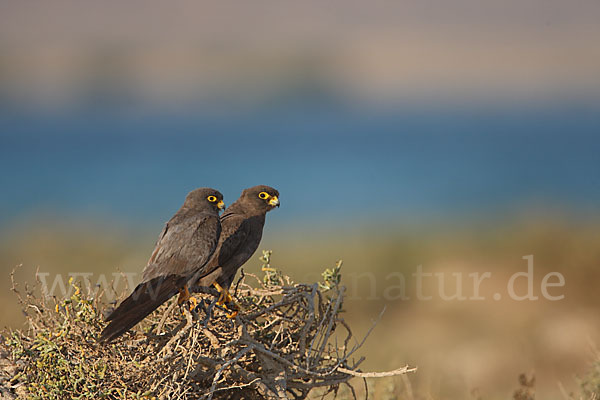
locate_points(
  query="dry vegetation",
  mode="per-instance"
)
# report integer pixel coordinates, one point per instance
(288, 340)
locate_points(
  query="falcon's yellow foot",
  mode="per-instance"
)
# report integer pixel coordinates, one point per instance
(224, 296)
(236, 309)
(184, 295)
(268, 269)
(227, 301)
(193, 303)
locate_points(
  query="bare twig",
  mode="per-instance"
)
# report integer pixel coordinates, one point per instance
(395, 372)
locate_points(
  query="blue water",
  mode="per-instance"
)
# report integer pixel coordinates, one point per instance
(328, 163)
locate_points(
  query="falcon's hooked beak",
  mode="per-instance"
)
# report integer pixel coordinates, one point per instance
(221, 204)
(274, 201)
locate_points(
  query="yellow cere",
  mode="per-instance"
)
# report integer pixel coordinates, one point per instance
(274, 201)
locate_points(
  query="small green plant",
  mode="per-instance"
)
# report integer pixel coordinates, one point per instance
(272, 275)
(590, 383)
(56, 363)
(331, 276)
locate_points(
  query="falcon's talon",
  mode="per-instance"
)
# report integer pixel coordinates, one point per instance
(225, 299)
(268, 269)
(236, 308)
(224, 296)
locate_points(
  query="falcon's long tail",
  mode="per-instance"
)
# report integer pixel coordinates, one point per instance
(146, 297)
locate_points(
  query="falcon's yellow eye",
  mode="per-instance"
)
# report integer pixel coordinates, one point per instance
(263, 195)
(212, 199)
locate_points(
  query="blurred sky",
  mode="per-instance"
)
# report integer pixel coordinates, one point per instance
(386, 109)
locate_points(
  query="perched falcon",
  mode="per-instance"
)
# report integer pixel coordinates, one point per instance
(242, 227)
(180, 256)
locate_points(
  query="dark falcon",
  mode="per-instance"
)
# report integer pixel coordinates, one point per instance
(180, 256)
(242, 227)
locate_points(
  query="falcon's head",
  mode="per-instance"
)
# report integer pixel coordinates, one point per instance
(205, 199)
(261, 197)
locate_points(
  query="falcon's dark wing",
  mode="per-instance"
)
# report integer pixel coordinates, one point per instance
(234, 233)
(235, 236)
(184, 246)
(146, 297)
(240, 238)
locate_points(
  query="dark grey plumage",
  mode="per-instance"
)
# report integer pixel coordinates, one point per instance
(242, 227)
(184, 247)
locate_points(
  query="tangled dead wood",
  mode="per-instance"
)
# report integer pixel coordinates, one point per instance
(288, 340)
